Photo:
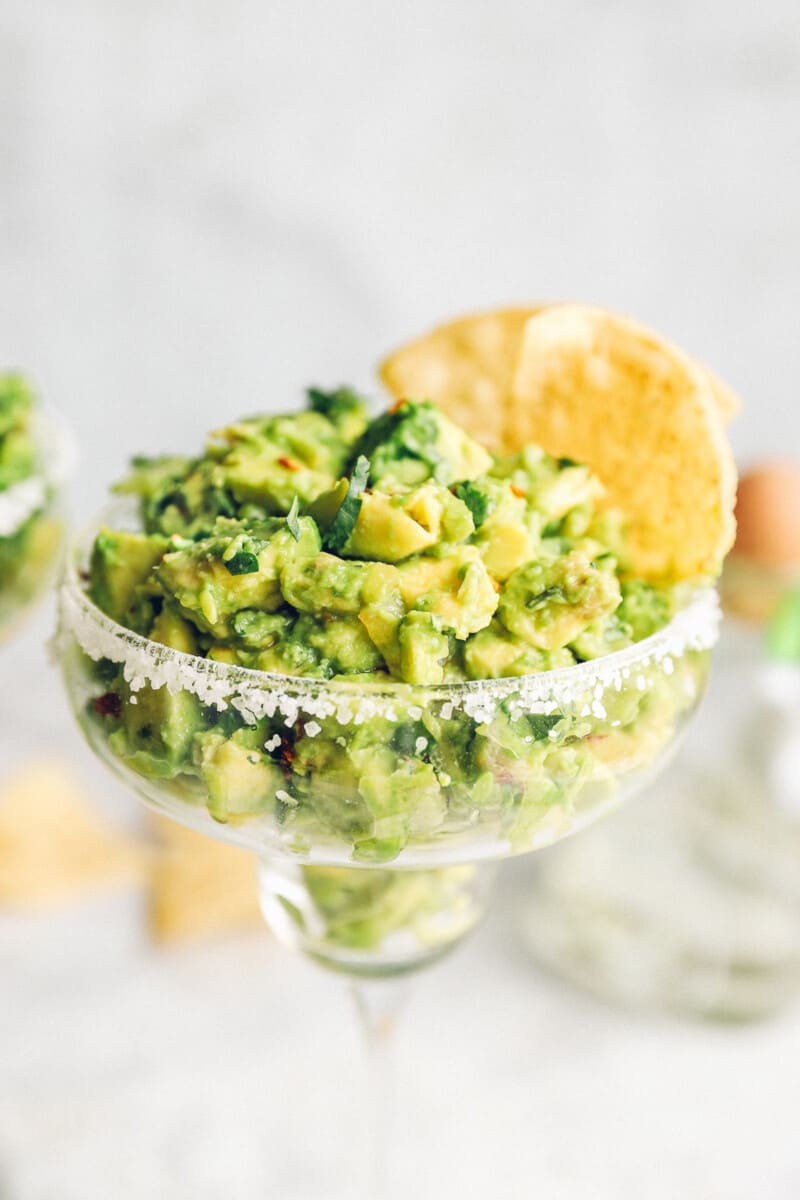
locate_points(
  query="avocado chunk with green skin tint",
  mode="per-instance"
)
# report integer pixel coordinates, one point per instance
(424, 648)
(415, 441)
(269, 461)
(644, 608)
(199, 580)
(549, 603)
(157, 730)
(342, 644)
(326, 584)
(240, 779)
(120, 563)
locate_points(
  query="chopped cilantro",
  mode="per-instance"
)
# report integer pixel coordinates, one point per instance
(344, 522)
(541, 724)
(291, 519)
(476, 501)
(243, 563)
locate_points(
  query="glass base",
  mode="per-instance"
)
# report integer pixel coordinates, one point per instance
(370, 922)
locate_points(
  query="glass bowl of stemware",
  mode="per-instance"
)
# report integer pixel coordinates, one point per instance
(377, 810)
(32, 525)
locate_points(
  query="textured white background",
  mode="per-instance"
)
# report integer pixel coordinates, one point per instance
(205, 206)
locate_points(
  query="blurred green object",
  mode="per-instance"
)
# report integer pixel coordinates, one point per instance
(783, 629)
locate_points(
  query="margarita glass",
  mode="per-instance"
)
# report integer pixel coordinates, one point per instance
(376, 882)
(472, 772)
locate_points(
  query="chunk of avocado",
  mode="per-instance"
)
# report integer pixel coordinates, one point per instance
(550, 602)
(493, 653)
(240, 779)
(414, 442)
(456, 588)
(120, 562)
(205, 581)
(157, 730)
(328, 583)
(341, 642)
(424, 648)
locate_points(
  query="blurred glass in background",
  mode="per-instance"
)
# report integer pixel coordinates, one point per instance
(689, 899)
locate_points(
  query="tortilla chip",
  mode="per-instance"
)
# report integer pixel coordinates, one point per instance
(466, 367)
(603, 390)
(52, 845)
(201, 887)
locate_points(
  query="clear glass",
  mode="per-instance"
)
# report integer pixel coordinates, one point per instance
(377, 809)
(32, 526)
(690, 900)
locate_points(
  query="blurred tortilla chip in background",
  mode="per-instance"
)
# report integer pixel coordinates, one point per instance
(53, 846)
(200, 887)
(56, 848)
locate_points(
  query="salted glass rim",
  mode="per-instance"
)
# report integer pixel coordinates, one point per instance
(693, 627)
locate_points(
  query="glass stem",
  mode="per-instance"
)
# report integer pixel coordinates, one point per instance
(379, 1003)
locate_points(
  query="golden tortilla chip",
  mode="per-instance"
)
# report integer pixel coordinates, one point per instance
(466, 367)
(603, 390)
(53, 847)
(201, 887)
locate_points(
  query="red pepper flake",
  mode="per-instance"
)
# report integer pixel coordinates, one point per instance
(495, 584)
(108, 705)
(290, 463)
(398, 404)
(518, 491)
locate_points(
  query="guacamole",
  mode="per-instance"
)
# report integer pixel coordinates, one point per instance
(328, 548)
(28, 537)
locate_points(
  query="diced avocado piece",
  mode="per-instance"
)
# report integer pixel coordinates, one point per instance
(424, 648)
(157, 730)
(343, 407)
(326, 505)
(171, 629)
(391, 528)
(120, 562)
(504, 546)
(604, 636)
(341, 642)
(240, 779)
(644, 608)
(550, 602)
(327, 584)
(385, 531)
(404, 799)
(493, 653)
(270, 460)
(213, 579)
(456, 588)
(414, 442)
(259, 630)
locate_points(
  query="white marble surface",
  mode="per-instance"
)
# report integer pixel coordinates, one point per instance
(202, 208)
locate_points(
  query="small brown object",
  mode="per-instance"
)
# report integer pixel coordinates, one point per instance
(768, 515)
(289, 463)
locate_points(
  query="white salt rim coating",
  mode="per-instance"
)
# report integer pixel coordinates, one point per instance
(256, 694)
(22, 500)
